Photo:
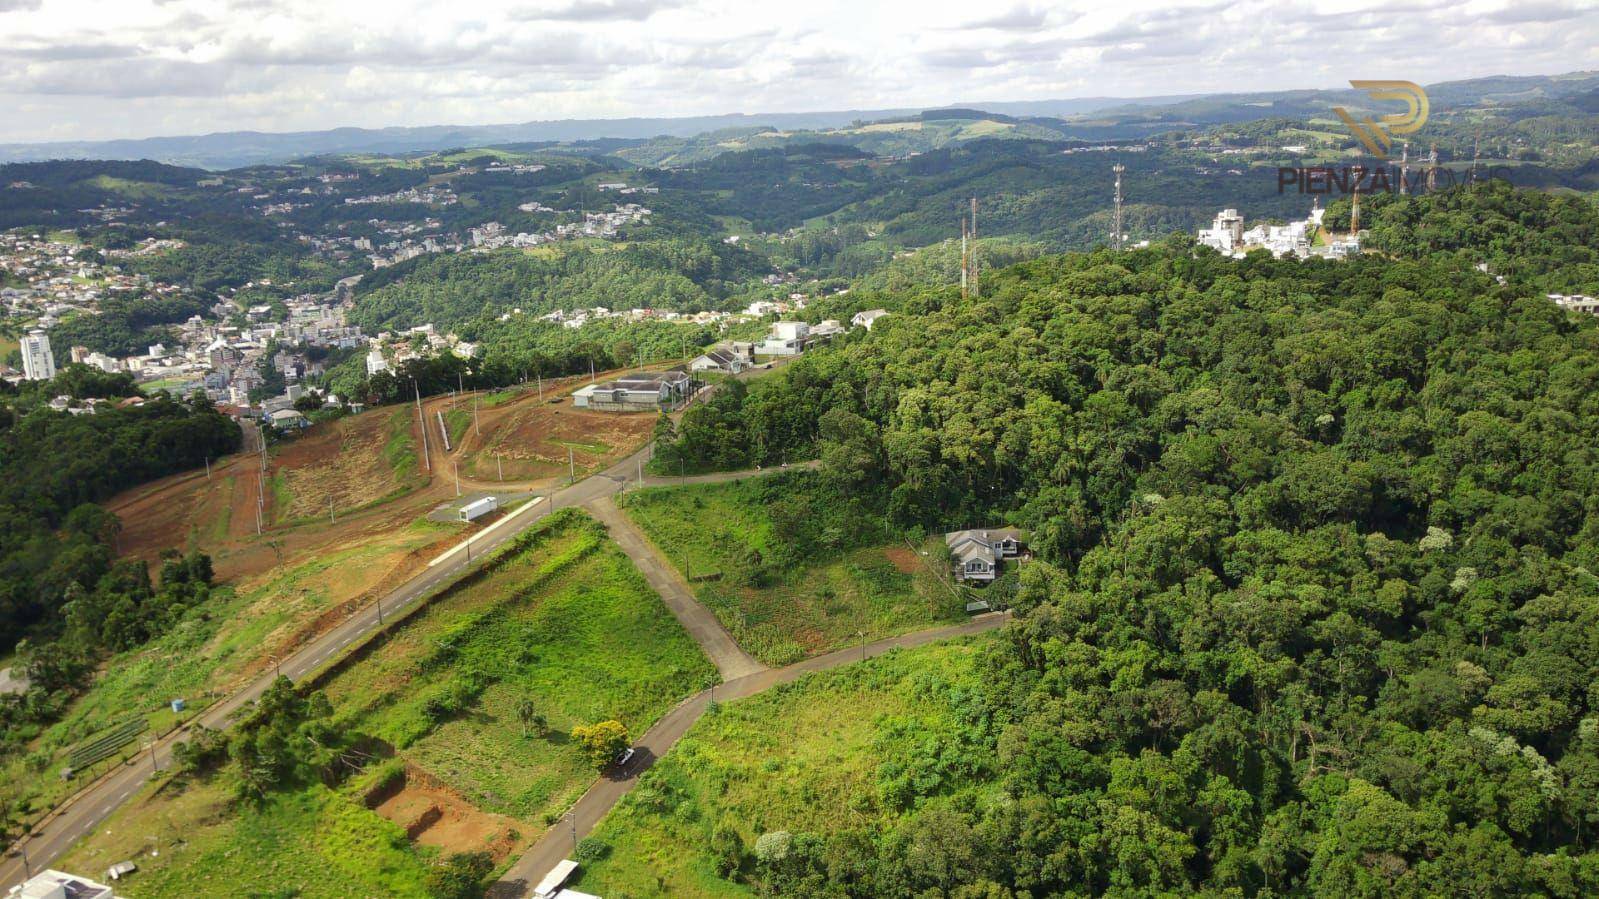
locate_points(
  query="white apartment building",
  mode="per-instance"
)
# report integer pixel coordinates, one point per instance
(38, 363)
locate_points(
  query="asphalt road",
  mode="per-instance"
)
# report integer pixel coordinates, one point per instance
(559, 841)
(84, 811)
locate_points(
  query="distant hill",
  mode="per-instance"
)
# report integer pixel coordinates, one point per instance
(686, 139)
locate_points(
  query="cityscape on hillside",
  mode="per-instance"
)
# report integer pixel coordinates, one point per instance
(561, 449)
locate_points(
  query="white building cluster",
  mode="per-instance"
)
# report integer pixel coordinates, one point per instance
(1228, 235)
(1576, 302)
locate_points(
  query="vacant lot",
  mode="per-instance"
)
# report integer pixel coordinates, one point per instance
(346, 465)
(527, 439)
(850, 749)
(564, 622)
(715, 533)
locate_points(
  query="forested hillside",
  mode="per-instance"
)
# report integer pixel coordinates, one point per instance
(56, 546)
(1316, 598)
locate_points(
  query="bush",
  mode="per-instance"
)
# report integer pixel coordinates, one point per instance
(461, 876)
(591, 850)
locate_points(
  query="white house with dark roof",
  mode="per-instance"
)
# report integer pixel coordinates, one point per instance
(978, 553)
(719, 358)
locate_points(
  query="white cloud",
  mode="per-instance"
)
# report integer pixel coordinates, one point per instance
(78, 69)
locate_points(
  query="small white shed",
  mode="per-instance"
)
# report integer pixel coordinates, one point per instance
(478, 508)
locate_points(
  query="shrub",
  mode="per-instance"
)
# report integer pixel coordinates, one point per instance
(591, 850)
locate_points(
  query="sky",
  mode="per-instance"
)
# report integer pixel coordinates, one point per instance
(100, 69)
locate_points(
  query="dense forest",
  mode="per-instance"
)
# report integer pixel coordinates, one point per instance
(59, 582)
(1315, 604)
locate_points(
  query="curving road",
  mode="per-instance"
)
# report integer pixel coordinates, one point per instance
(84, 811)
(559, 841)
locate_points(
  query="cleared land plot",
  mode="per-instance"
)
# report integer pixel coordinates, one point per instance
(358, 462)
(829, 752)
(350, 463)
(713, 533)
(531, 439)
(564, 621)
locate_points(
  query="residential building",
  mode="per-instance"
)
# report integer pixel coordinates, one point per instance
(38, 363)
(718, 358)
(979, 553)
(1576, 302)
(867, 318)
(634, 393)
(785, 339)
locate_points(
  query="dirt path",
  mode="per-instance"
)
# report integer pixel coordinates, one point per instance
(558, 842)
(729, 658)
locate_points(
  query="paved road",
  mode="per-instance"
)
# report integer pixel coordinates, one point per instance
(90, 806)
(86, 809)
(559, 841)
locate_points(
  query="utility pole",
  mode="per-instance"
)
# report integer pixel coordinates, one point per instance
(331, 519)
(1354, 205)
(456, 464)
(499, 468)
(427, 454)
(476, 428)
(571, 467)
(208, 468)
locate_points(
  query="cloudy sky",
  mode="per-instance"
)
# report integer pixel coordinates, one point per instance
(92, 69)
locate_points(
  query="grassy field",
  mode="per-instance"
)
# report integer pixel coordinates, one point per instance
(209, 650)
(709, 532)
(564, 620)
(825, 753)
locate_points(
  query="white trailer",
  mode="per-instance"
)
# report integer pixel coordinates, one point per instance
(553, 881)
(478, 508)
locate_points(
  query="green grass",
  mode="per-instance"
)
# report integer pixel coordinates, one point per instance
(314, 843)
(212, 644)
(456, 421)
(822, 754)
(820, 605)
(569, 624)
(562, 618)
(400, 448)
(282, 495)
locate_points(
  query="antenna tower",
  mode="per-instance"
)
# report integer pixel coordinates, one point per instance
(1116, 233)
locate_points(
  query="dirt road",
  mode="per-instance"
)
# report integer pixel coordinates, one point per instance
(731, 660)
(82, 813)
